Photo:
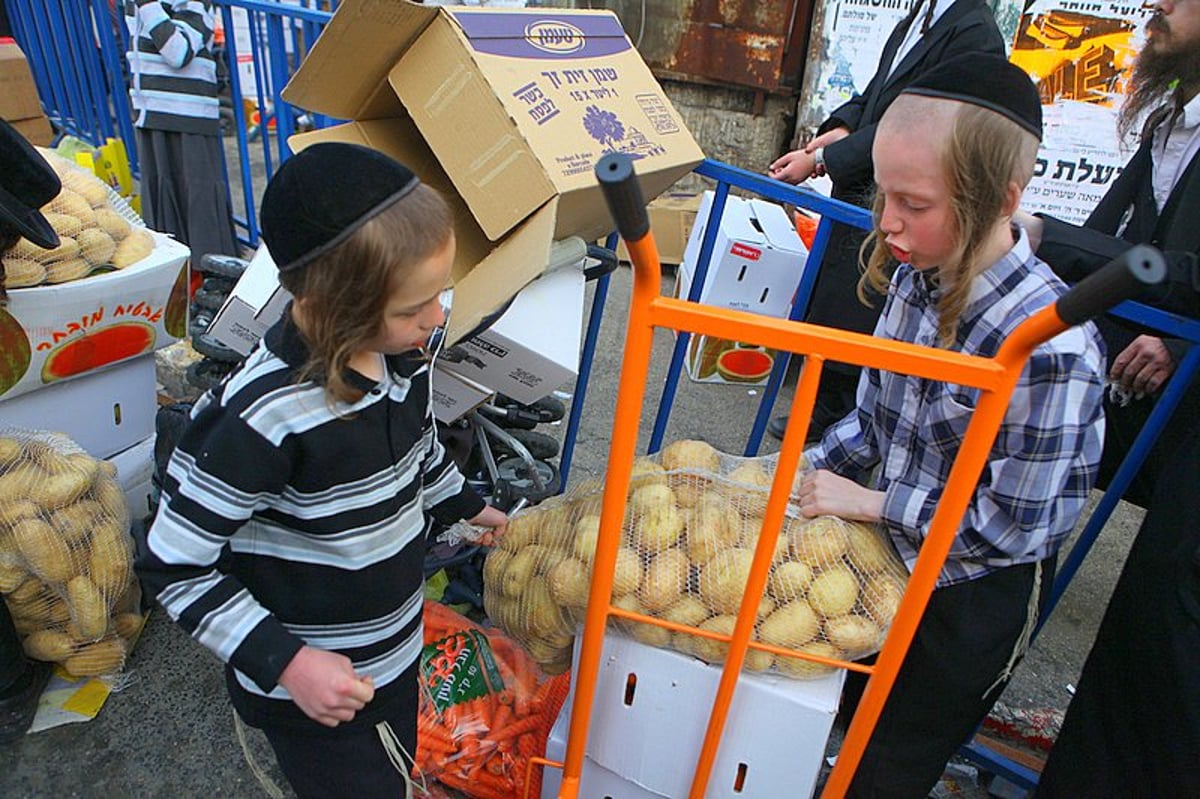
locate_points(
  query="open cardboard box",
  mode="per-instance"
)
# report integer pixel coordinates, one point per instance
(505, 112)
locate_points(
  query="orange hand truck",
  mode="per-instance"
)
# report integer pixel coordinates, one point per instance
(995, 377)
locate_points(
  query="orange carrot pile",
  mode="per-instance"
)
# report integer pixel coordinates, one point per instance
(486, 708)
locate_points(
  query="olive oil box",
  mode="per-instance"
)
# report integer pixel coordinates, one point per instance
(756, 264)
(54, 333)
(506, 112)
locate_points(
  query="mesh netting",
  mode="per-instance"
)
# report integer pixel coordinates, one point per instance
(66, 557)
(98, 232)
(691, 526)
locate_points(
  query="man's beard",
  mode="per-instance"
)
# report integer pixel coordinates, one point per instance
(1153, 77)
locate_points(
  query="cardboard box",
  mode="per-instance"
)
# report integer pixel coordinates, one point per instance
(104, 412)
(36, 130)
(596, 782)
(454, 396)
(135, 471)
(774, 739)
(517, 104)
(55, 333)
(255, 304)
(757, 261)
(533, 348)
(18, 92)
(672, 217)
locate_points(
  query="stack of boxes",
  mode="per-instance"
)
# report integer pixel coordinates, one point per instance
(78, 358)
(19, 103)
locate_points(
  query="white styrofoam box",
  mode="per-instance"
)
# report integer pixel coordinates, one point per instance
(104, 412)
(454, 396)
(651, 710)
(757, 259)
(135, 471)
(596, 782)
(256, 302)
(533, 348)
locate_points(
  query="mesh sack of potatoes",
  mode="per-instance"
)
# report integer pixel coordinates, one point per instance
(66, 556)
(97, 233)
(691, 525)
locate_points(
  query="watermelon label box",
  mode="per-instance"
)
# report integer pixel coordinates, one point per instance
(54, 333)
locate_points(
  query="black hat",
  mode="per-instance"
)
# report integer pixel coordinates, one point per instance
(986, 80)
(324, 193)
(26, 184)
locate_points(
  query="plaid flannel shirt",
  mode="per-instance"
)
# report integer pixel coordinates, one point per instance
(1047, 451)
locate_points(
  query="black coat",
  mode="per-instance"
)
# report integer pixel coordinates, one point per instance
(968, 26)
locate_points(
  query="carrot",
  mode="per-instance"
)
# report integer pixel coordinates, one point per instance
(527, 745)
(501, 718)
(518, 727)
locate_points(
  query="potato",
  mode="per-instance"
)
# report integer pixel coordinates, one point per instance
(544, 557)
(112, 223)
(665, 580)
(880, 597)
(21, 273)
(712, 651)
(713, 526)
(110, 558)
(20, 482)
(650, 634)
(646, 472)
(659, 528)
(62, 489)
(96, 246)
(12, 574)
(540, 610)
(688, 611)
(105, 656)
(689, 487)
(569, 583)
(752, 527)
(128, 625)
(627, 575)
(819, 542)
(89, 611)
(855, 634)
(27, 591)
(75, 522)
(789, 580)
(67, 269)
(494, 568)
(723, 579)
(649, 498)
(554, 524)
(519, 573)
(748, 487)
(68, 202)
(593, 486)
(792, 625)
(49, 645)
(807, 669)
(833, 592)
(111, 497)
(65, 226)
(87, 186)
(13, 511)
(10, 450)
(867, 549)
(691, 454)
(44, 550)
(587, 533)
(133, 248)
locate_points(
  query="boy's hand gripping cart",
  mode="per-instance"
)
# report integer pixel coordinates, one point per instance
(995, 377)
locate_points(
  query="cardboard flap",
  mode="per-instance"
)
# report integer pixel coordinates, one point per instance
(779, 231)
(345, 73)
(501, 274)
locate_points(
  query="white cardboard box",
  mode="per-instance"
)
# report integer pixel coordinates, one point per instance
(255, 303)
(135, 471)
(534, 347)
(596, 782)
(774, 739)
(104, 412)
(757, 259)
(454, 396)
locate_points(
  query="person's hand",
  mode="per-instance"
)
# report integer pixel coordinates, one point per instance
(794, 167)
(1144, 366)
(1033, 227)
(827, 138)
(493, 518)
(325, 686)
(823, 493)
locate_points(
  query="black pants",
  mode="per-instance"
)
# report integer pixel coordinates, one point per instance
(1133, 727)
(355, 765)
(12, 658)
(948, 681)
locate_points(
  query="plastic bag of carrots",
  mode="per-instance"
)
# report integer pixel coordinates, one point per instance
(485, 709)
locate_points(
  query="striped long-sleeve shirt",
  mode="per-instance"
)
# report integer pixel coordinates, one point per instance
(285, 521)
(173, 77)
(1047, 451)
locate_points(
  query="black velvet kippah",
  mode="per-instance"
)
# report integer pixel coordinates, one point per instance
(324, 193)
(986, 80)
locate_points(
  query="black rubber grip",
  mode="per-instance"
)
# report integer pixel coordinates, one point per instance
(1122, 278)
(624, 196)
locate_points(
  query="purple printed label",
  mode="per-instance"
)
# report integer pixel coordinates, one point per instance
(543, 36)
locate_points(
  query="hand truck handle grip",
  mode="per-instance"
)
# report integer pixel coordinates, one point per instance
(624, 196)
(1122, 278)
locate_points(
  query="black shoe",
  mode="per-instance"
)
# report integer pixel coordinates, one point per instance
(777, 427)
(17, 711)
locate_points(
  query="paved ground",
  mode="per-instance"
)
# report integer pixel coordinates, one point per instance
(169, 733)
